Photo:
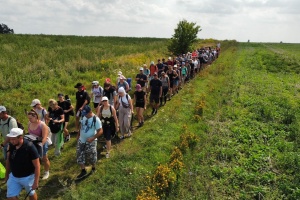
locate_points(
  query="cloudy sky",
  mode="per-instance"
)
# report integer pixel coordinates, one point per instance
(242, 20)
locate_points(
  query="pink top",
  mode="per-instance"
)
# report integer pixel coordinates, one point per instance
(38, 132)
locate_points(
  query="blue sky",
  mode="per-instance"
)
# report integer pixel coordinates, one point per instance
(242, 20)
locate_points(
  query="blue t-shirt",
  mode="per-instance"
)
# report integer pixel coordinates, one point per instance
(89, 128)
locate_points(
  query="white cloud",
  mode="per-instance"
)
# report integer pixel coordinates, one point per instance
(257, 20)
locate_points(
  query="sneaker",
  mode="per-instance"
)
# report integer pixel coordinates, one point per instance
(93, 170)
(107, 155)
(140, 124)
(122, 137)
(82, 174)
(45, 176)
(104, 147)
(67, 138)
(153, 110)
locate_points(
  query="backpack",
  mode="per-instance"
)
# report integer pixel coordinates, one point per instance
(123, 104)
(19, 124)
(128, 80)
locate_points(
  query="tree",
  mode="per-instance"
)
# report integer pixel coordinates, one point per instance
(5, 30)
(184, 37)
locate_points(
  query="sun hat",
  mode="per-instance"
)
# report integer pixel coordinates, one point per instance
(119, 73)
(35, 102)
(78, 85)
(15, 132)
(122, 77)
(121, 90)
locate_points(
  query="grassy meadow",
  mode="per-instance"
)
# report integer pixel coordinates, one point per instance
(231, 133)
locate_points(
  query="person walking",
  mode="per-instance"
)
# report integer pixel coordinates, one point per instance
(38, 129)
(140, 100)
(39, 109)
(56, 119)
(123, 83)
(156, 92)
(67, 108)
(7, 122)
(86, 150)
(22, 166)
(125, 108)
(111, 93)
(110, 125)
(141, 79)
(82, 99)
(165, 88)
(96, 93)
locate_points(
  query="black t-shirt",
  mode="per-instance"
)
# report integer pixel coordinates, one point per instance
(65, 105)
(160, 66)
(144, 77)
(139, 96)
(21, 159)
(109, 93)
(155, 85)
(55, 114)
(81, 97)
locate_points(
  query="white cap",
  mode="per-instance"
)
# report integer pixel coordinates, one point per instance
(35, 102)
(141, 68)
(2, 109)
(119, 73)
(121, 90)
(104, 98)
(95, 83)
(15, 132)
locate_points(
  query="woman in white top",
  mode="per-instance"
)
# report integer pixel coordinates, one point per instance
(96, 93)
(109, 120)
(125, 107)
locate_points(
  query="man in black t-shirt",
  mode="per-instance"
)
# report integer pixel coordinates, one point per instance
(160, 67)
(82, 99)
(156, 92)
(141, 79)
(22, 166)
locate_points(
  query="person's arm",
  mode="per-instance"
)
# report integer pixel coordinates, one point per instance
(99, 132)
(115, 96)
(36, 164)
(160, 91)
(45, 133)
(98, 111)
(145, 100)
(7, 166)
(131, 105)
(115, 118)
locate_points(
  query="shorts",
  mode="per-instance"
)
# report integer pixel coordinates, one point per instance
(140, 104)
(86, 152)
(96, 105)
(67, 118)
(107, 133)
(45, 149)
(175, 83)
(154, 97)
(15, 185)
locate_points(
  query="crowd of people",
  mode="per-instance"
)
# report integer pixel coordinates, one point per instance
(110, 114)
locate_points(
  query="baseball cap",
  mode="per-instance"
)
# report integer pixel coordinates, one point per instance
(141, 68)
(104, 98)
(152, 63)
(119, 73)
(175, 66)
(2, 109)
(85, 110)
(155, 74)
(60, 95)
(95, 83)
(35, 102)
(15, 132)
(107, 80)
(122, 77)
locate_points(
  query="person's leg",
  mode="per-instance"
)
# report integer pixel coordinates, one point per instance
(121, 121)
(137, 113)
(13, 187)
(45, 161)
(141, 113)
(27, 183)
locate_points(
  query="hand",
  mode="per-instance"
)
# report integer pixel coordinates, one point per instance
(117, 128)
(35, 186)
(80, 108)
(90, 139)
(132, 112)
(145, 107)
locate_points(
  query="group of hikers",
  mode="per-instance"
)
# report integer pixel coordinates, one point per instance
(110, 114)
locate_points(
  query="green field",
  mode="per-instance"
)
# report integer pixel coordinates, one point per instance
(236, 125)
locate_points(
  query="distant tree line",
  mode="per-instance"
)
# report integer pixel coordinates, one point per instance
(4, 29)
